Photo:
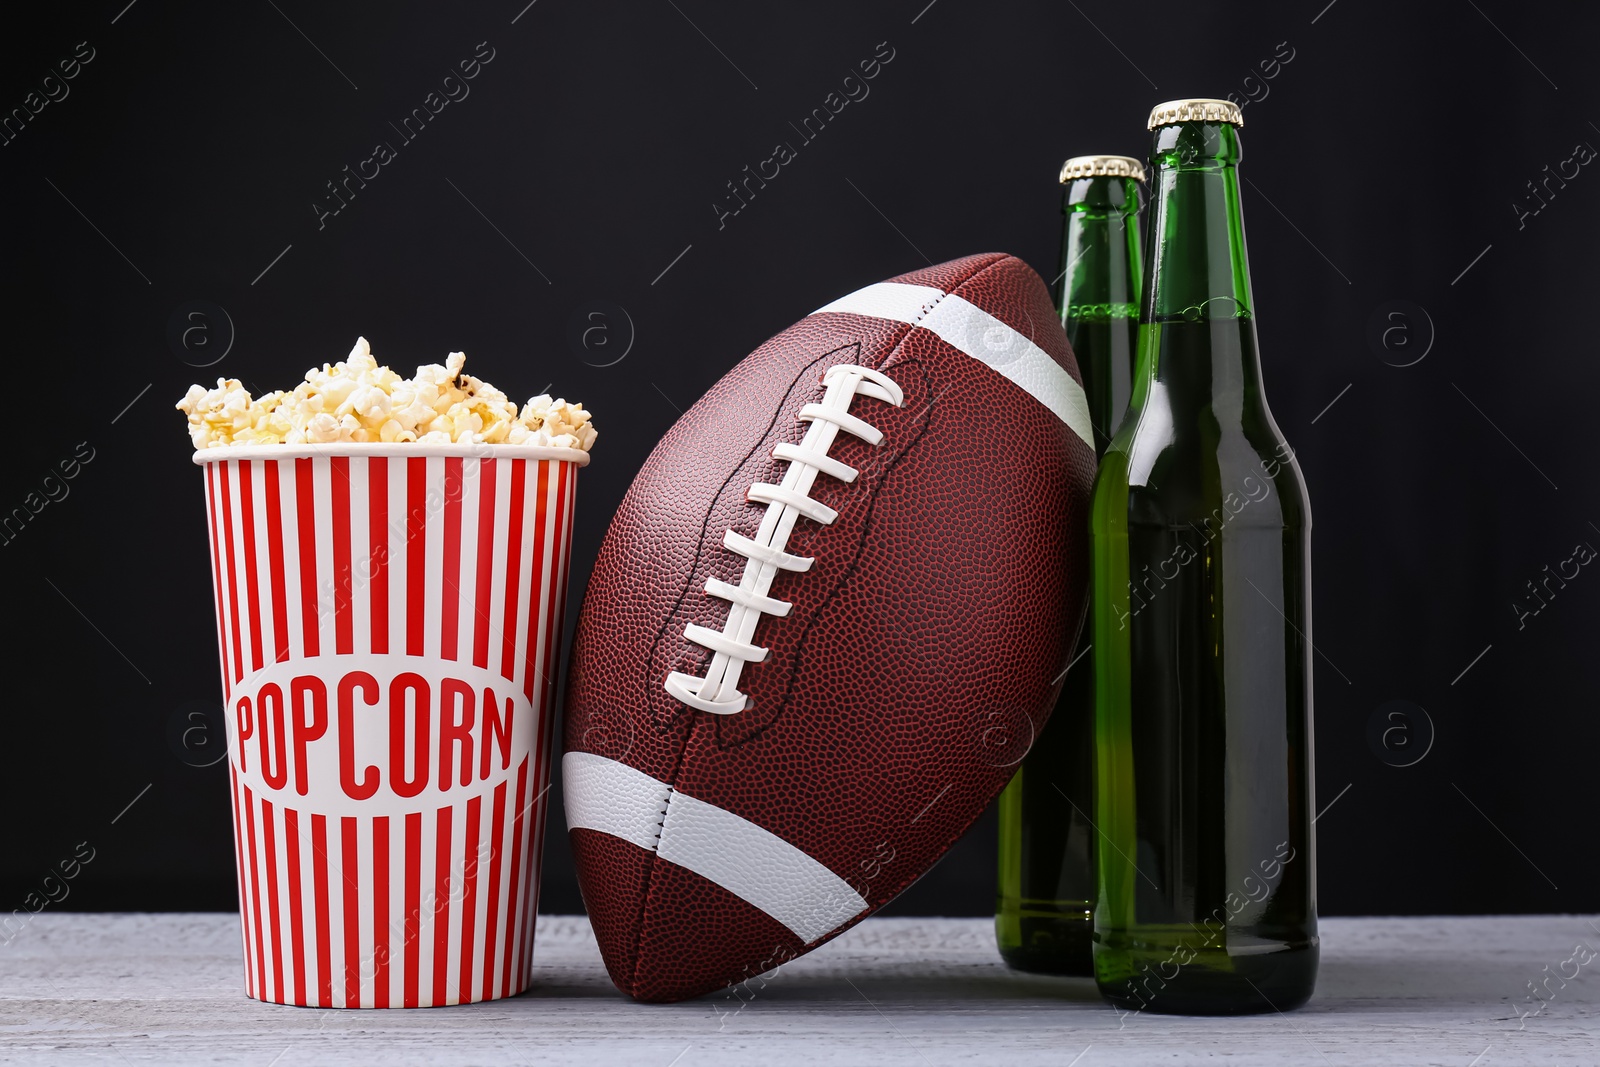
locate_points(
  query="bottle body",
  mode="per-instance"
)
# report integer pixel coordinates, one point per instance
(1044, 906)
(1202, 640)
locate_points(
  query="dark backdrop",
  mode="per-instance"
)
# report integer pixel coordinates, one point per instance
(1424, 322)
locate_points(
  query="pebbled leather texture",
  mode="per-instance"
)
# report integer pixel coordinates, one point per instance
(921, 656)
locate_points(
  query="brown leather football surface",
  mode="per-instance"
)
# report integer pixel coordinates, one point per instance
(921, 651)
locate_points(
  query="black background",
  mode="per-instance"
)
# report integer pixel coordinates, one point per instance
(1384, 163)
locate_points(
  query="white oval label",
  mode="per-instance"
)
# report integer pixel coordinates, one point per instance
(365, 734)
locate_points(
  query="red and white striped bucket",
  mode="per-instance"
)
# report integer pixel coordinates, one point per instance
(389, 621)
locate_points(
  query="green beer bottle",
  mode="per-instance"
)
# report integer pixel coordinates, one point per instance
(1201, 601)
(1045, 904)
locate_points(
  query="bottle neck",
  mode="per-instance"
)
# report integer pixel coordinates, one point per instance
(1101, 270)
(1100, 261)
(1199, 289)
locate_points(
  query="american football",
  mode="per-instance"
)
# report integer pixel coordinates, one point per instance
(826, 623)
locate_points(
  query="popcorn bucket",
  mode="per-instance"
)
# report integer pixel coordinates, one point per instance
(389, 620)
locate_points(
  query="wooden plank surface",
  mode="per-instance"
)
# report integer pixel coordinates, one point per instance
(166, 989)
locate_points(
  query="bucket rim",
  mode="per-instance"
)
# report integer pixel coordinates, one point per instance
(454, 450)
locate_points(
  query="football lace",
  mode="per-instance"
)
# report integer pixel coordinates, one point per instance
(787, 502)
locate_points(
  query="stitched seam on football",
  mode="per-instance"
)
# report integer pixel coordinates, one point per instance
(668, 625)
(850, 571)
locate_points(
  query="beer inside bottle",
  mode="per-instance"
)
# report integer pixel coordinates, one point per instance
(1202, 627)
(1045, 904)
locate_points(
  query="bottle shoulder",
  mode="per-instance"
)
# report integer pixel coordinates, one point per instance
(1163, 471)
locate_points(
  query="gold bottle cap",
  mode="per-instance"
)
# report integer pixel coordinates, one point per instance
(1200, 109)
(1096, 166)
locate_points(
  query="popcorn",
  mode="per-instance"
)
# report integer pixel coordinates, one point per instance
(553, 422)
(358, 401)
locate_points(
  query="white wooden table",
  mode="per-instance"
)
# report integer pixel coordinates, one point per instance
(166, 989)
